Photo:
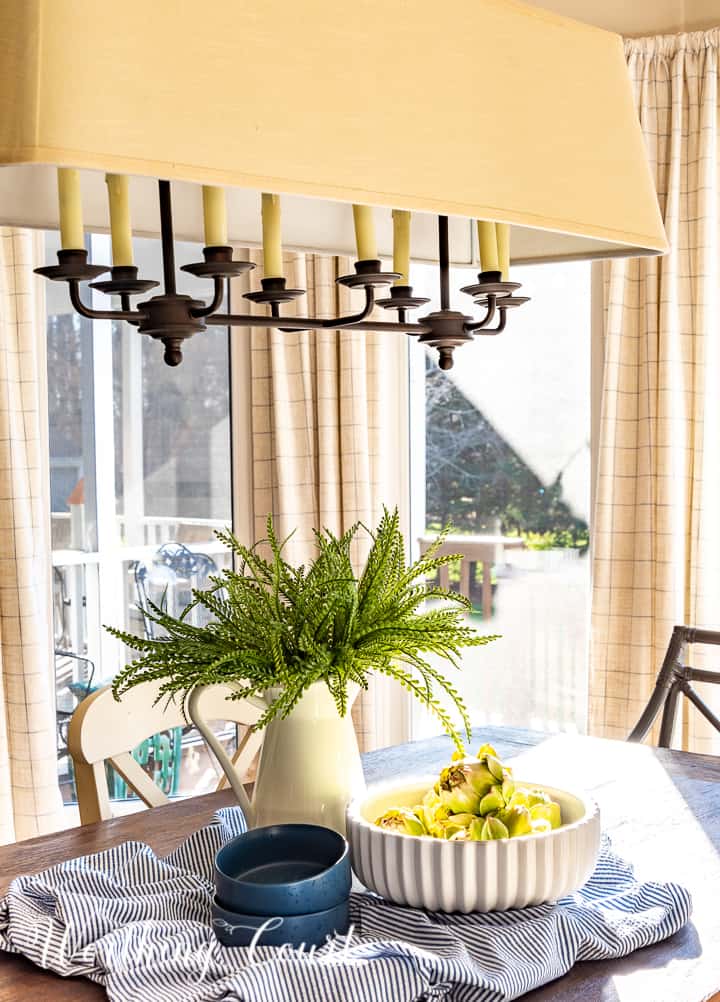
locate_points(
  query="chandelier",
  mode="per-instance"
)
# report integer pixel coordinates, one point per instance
(172, 317)
(555, 150)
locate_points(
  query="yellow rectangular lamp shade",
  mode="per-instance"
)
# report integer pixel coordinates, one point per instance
(489, 109)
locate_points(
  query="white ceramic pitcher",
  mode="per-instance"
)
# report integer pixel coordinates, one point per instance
(310, 766)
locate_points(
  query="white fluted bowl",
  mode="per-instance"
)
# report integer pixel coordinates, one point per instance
(447, 876)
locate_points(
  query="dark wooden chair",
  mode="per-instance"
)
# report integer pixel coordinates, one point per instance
(676, 678)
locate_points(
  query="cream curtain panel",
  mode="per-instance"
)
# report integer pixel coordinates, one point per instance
(657, 515)
(324, 406)
(29, 795)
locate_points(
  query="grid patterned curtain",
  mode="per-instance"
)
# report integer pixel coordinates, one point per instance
(657, 518)
(29, 795)
(321, 406)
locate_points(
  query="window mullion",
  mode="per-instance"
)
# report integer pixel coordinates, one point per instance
(109, 567)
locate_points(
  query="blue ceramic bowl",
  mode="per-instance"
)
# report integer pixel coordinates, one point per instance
(235, 929)
(283, 870)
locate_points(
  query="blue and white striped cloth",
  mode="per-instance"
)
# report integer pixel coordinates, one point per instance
(139, 926)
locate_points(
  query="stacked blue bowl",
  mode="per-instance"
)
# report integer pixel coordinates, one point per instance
(283, 884)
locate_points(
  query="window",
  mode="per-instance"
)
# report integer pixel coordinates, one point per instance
(140, 476)
(504, 453)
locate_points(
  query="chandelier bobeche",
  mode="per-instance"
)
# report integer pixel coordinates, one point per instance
(172, 317)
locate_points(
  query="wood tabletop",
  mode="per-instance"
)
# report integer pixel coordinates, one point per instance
(661, 808)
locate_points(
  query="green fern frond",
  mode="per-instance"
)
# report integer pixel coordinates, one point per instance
(283, 627)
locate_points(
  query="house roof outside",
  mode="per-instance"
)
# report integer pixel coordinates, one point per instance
(535, 370)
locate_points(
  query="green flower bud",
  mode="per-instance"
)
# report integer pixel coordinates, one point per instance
(414, 825)
(471, 772)
(461, 800)
(508, 786)
(484, 750)
(493, 828)
(431, 801)
(487, 829)
(463, 819)
(519, 798)
(492, 801)
(419, 811)
(537, 797)
(451, 826)
(549, 812)
(433, 807)
(475, 829)
(495, 766)
(516, 820)
(402, 820)
(435, 817)
(457, 793)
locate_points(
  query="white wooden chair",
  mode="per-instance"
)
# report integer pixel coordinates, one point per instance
(103, 729)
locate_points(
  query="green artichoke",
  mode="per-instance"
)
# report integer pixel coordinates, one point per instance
(403, 820)
(431, 800)
(518, 798)
(473, 778)
(508, 786)
(455, 827)
(517, 820)
(537, 797)
(435, 820)
(487, 829)
(492, 801)
(456, 791)
(431, 804)
(475, 799)
(548, 812)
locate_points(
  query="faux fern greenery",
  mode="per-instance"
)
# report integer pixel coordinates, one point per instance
(278, 626)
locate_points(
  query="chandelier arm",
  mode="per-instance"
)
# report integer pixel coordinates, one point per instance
(214, 304)
(391, 327)
(489, 316)
(356, 318)
(501, 324)
(85, 311)
(311, 323)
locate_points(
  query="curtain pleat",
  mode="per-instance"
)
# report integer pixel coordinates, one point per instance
(29, 795)
(656, 535)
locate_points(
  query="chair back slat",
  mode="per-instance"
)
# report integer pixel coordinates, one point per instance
(103, 727)
(138, 780)
(215, 702)
(105, 730)
(674, 680)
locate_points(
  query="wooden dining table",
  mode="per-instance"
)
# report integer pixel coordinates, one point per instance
(661, 809)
